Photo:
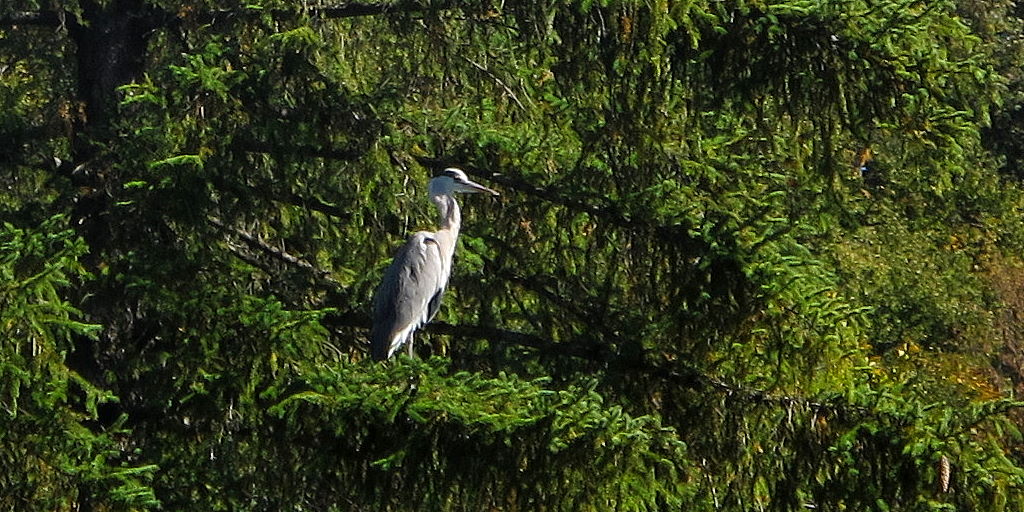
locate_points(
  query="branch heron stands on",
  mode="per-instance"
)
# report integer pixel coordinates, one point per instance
(410, 294)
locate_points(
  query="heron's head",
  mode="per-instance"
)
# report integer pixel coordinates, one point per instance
(454, 180)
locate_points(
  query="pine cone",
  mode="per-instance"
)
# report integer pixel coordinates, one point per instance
(944, 472)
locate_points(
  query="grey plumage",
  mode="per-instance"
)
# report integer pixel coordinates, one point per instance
(410, 292)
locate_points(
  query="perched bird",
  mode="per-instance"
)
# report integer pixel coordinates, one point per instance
(410, 294)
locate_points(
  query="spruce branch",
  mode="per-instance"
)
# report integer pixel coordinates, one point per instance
(55, 18)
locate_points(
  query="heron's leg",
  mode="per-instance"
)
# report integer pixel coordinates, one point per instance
(408, 345)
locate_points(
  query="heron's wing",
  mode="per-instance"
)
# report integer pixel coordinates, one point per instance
(404, 297)
(435, 301)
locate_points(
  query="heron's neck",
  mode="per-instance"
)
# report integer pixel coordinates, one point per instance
(451, 216)
(451, 219)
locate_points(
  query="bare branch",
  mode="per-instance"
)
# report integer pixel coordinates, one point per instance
(34, 18)
(279, 254)
(679, 374)
(508, 90)
(252, 146)
(492, 334)
(344, 10)
(315, 205)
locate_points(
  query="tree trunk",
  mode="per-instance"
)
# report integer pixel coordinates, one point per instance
(111, 49)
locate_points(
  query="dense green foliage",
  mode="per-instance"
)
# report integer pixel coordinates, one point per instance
(747, 256)
(51, 453)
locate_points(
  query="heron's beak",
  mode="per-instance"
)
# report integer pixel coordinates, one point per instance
(472, 187)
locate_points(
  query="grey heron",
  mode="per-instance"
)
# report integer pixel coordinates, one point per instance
(410, 293)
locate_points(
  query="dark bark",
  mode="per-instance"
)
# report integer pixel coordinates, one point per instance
(111, 50)
(111, 45)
